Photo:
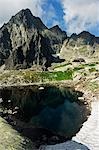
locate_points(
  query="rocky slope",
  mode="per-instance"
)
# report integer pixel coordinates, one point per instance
(10, 139)
(83, 45)
(25, 41)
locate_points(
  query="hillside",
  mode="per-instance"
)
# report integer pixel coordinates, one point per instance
(83, 45)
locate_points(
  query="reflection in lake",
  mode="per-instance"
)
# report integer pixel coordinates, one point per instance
(66, 119)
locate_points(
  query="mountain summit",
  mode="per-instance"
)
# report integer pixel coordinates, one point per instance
(25, 42)
(26, 17)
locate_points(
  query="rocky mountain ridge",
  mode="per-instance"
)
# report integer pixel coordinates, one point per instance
(26, 42)
(84, 45)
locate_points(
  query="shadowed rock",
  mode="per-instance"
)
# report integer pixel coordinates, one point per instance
(25, 42)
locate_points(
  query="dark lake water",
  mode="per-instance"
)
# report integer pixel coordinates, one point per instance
(65, 120)
(56, 109)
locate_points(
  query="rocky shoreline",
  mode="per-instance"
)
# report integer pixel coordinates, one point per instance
(88, 136)
(38, 136)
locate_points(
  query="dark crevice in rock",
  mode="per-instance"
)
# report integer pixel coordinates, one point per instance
(5, 45)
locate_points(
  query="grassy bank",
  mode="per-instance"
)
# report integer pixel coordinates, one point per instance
(28, 76)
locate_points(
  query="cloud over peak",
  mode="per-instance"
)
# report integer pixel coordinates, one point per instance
(80, 15)
(72, 15)
(9, 8)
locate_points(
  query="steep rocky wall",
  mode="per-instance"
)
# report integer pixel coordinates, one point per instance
(5, 45)
(25, 42)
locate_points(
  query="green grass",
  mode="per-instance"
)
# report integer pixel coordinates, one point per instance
(78, 68)
(89, 65)
(29, 76)
(92, 65)
(48, 76)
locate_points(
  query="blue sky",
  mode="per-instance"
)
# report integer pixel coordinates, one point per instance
(63, 13)
(54, 11)
(72, 16)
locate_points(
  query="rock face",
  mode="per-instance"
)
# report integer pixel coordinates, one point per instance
(5, 45)
(83, 45)
(25, 41)
(11, 139)
(57, 36)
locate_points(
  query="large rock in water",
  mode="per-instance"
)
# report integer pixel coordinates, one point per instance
(83, 45)
(25, 41)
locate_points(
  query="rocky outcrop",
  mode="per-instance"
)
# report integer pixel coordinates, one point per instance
(35, 52)
(83, 45)
(25, 41)
(11, 139)
(57, 37)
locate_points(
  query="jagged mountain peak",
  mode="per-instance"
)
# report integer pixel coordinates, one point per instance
(25, 42)
(85, 34)
(73, 36)
(23, 16)
(86, 38)
(57, 29)
(26, 17)
(24, 12)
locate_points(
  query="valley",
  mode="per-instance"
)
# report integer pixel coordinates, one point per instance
(49, 86)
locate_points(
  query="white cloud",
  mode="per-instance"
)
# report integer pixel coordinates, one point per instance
(80, 15)
(9, 8)
(50, 15)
